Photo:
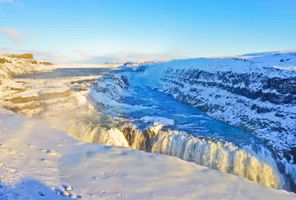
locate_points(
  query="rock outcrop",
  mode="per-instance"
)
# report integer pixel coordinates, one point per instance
(14, 64)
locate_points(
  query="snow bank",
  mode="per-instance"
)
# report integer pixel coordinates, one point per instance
(38, 162)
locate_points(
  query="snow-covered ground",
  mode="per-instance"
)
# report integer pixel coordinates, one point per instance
(37, 160)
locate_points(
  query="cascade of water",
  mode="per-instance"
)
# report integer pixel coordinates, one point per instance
(259, 166)
(256, 166)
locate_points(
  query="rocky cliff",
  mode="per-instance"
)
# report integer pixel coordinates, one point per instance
(255, 92)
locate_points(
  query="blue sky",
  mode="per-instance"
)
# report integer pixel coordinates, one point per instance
(98, 30)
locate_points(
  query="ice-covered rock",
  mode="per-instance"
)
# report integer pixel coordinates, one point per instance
(14, 64)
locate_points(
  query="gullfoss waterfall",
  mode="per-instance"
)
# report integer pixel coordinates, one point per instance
(156, 122)
(173, 109)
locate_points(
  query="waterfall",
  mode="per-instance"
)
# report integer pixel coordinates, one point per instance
(256, 165)
(244, 162)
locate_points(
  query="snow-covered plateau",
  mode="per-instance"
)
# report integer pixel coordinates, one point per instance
(53, 153)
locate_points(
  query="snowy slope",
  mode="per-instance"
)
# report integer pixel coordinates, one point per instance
(36, 160)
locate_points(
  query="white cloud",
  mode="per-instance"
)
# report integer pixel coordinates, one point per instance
(11, 34)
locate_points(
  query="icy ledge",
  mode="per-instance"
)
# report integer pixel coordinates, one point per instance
(38, 162)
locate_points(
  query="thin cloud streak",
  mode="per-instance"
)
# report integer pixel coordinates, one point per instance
(12, 34)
